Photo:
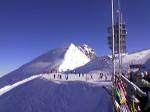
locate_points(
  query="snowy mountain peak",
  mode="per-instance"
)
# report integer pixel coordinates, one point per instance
(73, 58)
(61, 59)
(88, 51)
(71, 45)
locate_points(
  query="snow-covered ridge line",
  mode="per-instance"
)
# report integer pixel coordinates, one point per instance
(88, 78)
(10, 87)
(138, 51)
(71, 77)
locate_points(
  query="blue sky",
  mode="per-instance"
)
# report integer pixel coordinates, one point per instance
(29, 28)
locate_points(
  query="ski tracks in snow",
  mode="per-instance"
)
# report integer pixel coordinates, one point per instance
(10, 87)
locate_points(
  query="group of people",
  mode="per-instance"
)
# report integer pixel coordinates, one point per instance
(90, 76)
(59, 76)
(142, 80)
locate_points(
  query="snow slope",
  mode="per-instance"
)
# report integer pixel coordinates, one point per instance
(10, 87)
(137, 58)
(100, 64)
(73, 59)
(147, 64)
(24, 92)
(140, 57)
(58, 59)
(71, 77)
(104, 64)
(42, 95)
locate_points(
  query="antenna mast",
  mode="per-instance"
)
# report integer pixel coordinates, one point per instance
(117, 34)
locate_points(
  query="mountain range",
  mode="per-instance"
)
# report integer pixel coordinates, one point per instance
(73, 58)
(31, 88)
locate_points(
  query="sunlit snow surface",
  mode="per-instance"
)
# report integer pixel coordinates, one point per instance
(43, 94)
(137, 58)
(22, 92)
(73, 59)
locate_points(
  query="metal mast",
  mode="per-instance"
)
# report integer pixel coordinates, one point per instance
(117, 34)
(113, 52)
(113, 41)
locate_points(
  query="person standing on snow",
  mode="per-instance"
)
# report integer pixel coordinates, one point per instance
(105, 77)
(54, 76)
(66, 76)
(91, 76)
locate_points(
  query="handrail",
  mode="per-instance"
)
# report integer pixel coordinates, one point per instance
(134, 87)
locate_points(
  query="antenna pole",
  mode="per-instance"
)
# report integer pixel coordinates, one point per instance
(113, 41)
(119, 34)
(113, 51)
(121, 20)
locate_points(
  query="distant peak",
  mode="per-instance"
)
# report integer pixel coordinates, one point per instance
(88, 51)
(84, 48)
(84, 45)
